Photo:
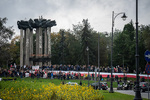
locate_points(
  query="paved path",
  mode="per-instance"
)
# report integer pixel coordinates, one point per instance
(131, 92)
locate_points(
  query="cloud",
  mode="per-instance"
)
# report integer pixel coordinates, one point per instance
(68, 12)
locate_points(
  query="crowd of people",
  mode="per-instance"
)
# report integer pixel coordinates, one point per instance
(90, 68)
(39, 73)
(48, 71)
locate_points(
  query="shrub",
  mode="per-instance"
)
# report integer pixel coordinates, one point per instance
(34, 90)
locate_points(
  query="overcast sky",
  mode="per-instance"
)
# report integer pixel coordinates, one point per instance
(69, 12)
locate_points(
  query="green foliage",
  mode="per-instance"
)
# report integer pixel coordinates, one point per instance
(15, 50)
(64, 48)
(87, 37)
(69, 47)
(6, 34)
(145, 31)
(124, 47)
(117, 96)
(55, 38)
(144, 41)
(33, 89)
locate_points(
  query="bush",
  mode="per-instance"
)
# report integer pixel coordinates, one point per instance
(33, 90)
(142, 79)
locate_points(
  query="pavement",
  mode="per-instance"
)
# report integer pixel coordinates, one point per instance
(131, 92)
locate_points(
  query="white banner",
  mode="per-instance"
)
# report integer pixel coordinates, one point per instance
(35, 67)
(26, 74)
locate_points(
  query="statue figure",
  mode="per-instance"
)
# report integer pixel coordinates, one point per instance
(36, 23)
(23, 25)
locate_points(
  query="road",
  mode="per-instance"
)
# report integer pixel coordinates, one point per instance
(131, 92)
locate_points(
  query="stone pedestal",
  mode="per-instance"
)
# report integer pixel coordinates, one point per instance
(27, 47)
(24, 47)
(21, 48)
(40, 45)
(45, 45)
(31, 46)
(49, 44)
(37, 44)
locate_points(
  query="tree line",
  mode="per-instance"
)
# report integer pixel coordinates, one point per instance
(69, 46)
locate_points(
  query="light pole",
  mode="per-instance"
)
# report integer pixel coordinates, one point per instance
(113, 19)
(98, 63)
(137, 88)
(123, 64)
(87, 49)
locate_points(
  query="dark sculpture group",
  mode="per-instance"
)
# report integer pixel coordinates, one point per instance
(42, 29)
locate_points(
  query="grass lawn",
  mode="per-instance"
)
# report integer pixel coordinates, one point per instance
(117, 96)
(39, 82)
(58, 82)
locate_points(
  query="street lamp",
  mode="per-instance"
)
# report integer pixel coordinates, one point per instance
(137, 88)
(98, 63)
(113, 19)
(87, 49)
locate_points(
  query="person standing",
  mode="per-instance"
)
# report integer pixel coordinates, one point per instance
(64, 76)
(51, 75)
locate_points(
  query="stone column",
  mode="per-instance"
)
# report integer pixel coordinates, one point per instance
(45, 45)
(49, 43)
(27, 47)
(31, 45)
(37, 44)
(40, 45)
(24, 47)
(21, 48)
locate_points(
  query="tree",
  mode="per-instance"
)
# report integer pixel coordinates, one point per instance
(144, 41)
(6, 34)
(5, 55)
(86, 36)
(55, 40)
(65, 48)
(72, 48)
(15, 50)
(69, 47)
(103, 43)
(129, 30)
(124, 47)
(62, 47)
(145, 31)
(83, 35)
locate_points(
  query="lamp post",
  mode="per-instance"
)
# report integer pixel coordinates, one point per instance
(87, 49)
(113, 19)
(137, 88)
(123, 65)
(98, 63)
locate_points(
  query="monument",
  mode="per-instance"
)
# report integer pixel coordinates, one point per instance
(42, 55)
